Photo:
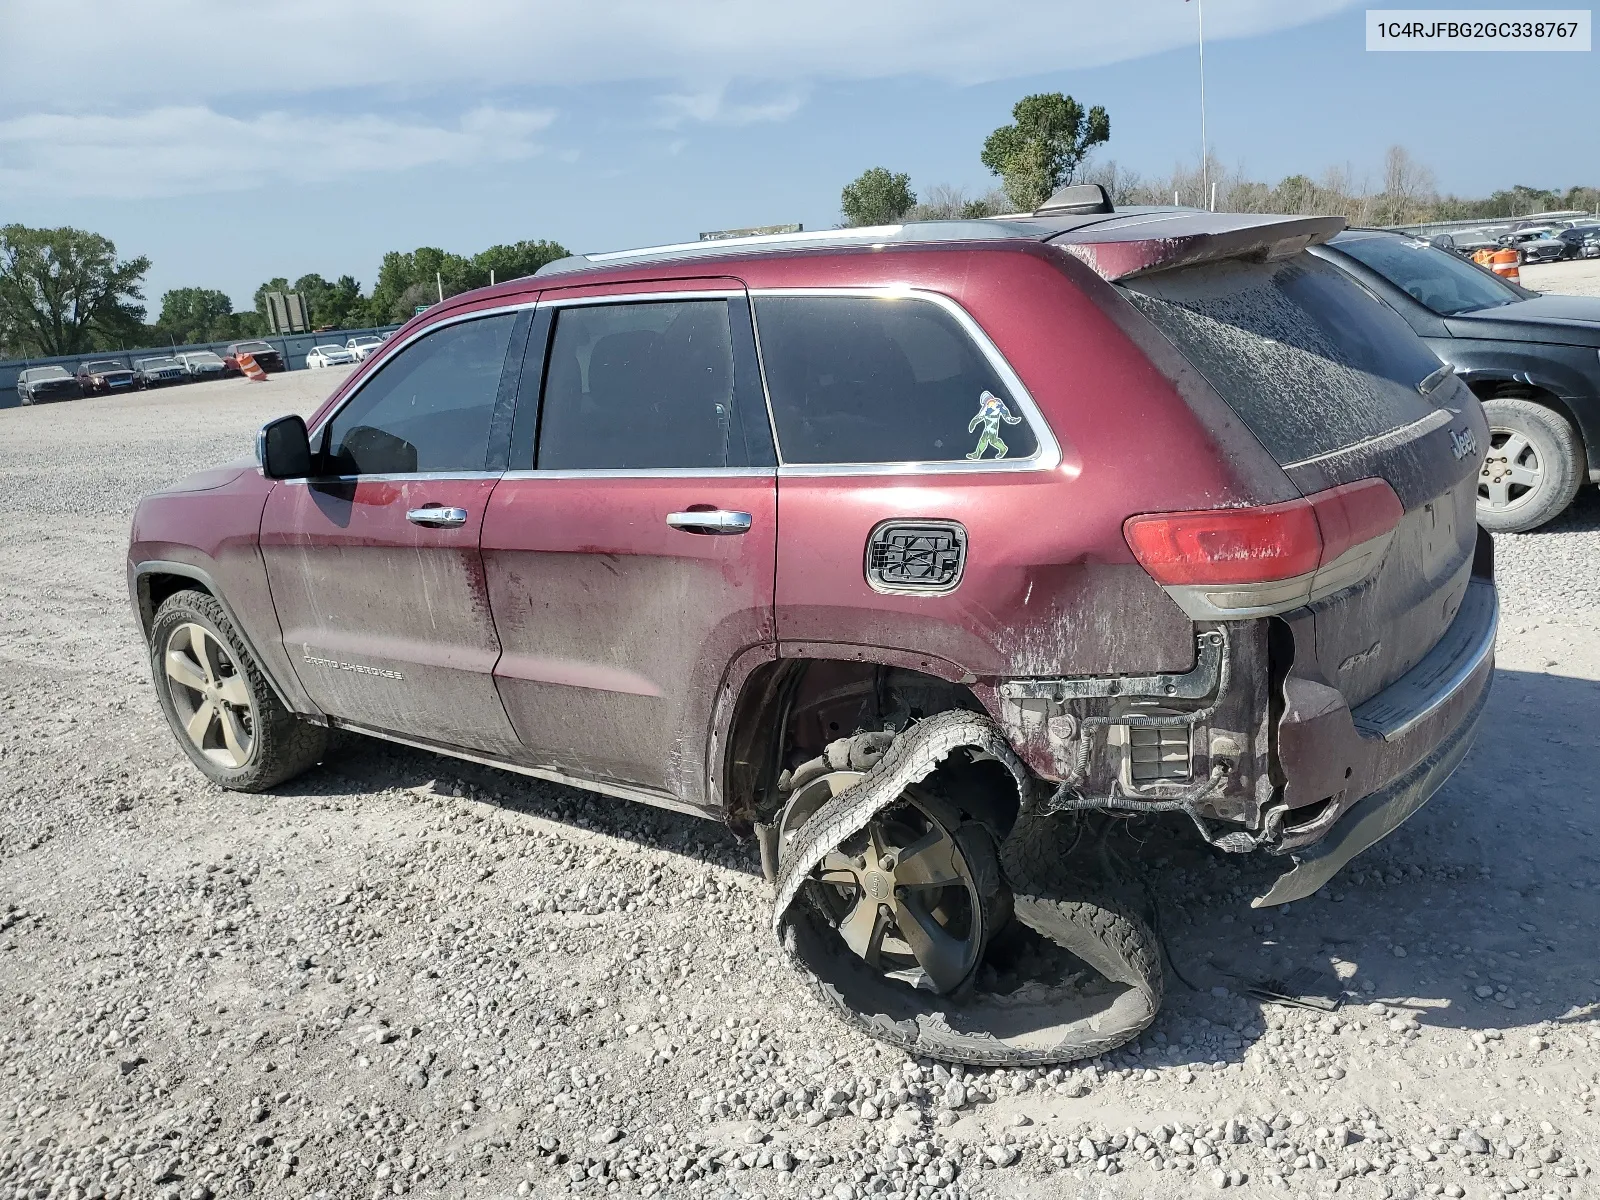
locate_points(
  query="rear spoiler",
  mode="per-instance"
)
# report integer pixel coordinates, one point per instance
(1148, 242)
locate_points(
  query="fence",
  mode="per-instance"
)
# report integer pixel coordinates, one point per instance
(293, 346)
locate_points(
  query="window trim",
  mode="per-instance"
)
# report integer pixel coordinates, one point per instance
(318, 432)
(1047, 451)
(596, 300)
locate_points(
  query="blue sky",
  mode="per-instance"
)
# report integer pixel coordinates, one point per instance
(351, 127)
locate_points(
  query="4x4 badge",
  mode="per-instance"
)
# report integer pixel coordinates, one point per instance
(1463, 443)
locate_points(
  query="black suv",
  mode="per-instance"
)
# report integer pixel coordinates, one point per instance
(1533, 359)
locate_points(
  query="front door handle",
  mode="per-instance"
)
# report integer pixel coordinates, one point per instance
(438, 517)
(715, 520)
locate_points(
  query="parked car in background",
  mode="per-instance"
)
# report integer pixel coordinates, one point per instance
(104, 376)
(1534, 361)
(330, 356)
(201, 364)
(364, 345)
(1583, 241)
(265, 354)
(38, 384)
(157, 372)
(1537, 243)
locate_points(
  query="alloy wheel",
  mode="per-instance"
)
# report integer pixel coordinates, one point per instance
(209, 695)
(1512, 473)
(902, 893)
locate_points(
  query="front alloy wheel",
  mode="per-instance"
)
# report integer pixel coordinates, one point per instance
(222, 710)
(209, 696)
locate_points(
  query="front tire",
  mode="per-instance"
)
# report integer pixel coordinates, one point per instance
(1534, 467)
(222, 711)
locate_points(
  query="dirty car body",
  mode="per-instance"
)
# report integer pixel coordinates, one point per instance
(1180, 511)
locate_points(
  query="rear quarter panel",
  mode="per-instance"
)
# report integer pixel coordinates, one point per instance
(1050, 586)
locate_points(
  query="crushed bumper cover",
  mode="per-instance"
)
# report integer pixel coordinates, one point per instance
(1438, 704)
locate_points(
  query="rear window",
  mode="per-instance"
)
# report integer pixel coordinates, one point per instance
(1309, 359)
(1434, 278)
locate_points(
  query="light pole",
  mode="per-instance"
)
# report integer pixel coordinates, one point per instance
(1205, 170)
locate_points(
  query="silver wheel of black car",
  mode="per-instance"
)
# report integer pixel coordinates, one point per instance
(1533, 467)
(221, 708)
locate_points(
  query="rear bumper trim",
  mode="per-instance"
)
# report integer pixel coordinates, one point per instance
(1375, 817)
(1443, 671)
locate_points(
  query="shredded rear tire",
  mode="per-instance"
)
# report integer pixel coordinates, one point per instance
(1047, 1018)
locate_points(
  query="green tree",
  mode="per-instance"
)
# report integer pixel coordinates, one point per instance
(1042, 149)
(65, 291)
(406, 280)
(194, 314)
(877, 197)
(336, 305)
(514, 261)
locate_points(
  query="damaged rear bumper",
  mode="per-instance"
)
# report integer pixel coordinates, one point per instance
(1412, 736)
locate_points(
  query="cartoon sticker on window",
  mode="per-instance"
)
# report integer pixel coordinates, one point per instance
(991, 411)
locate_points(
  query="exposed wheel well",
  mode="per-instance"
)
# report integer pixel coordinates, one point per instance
(790, 710)
(1514, 389)
(155, 587)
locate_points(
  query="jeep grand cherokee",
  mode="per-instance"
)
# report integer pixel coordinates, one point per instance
(883, 544)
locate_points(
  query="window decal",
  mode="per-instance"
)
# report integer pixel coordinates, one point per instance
(991, 411)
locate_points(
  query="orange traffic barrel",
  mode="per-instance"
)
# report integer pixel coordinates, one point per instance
(251, 368)
(1504, 264)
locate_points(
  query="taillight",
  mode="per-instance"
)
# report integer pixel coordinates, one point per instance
(1266, 558)
(1226, 545)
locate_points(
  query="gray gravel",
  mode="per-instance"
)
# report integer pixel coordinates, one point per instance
(401, 976)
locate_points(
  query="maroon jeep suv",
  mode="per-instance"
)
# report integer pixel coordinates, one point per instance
(909, 550)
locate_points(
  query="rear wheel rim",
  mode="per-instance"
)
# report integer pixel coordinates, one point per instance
(210, 696)
(902, 896)
(1513, 474)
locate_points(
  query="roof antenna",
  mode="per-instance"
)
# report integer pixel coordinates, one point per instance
(1077, 198)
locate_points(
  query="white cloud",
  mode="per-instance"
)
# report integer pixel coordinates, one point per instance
(712, 106)
(189, 51)
(183, 150)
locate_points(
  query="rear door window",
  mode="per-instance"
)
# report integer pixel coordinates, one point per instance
(428, 408)
(859, 379)
(1308, 358)
(641, 386)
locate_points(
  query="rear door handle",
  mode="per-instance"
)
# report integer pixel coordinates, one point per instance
(438, 517)
(716, 520)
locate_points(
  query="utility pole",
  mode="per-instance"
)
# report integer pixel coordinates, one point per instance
(438, 282)
(1205, 168)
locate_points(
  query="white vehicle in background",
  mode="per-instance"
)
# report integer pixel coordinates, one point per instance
(363, 345)
(330, 356)
(201, 364)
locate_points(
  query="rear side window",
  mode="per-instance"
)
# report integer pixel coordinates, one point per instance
(639, 387)
(856, 379)
(428, 408)
(1308, 358)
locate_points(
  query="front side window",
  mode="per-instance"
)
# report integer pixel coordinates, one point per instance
(428, 408)
(639, 386)
(879, 380)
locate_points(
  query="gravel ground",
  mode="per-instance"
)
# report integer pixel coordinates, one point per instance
(1576, 277)
(400, 975)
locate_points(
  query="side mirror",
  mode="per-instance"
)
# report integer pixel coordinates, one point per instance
(284, 448)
